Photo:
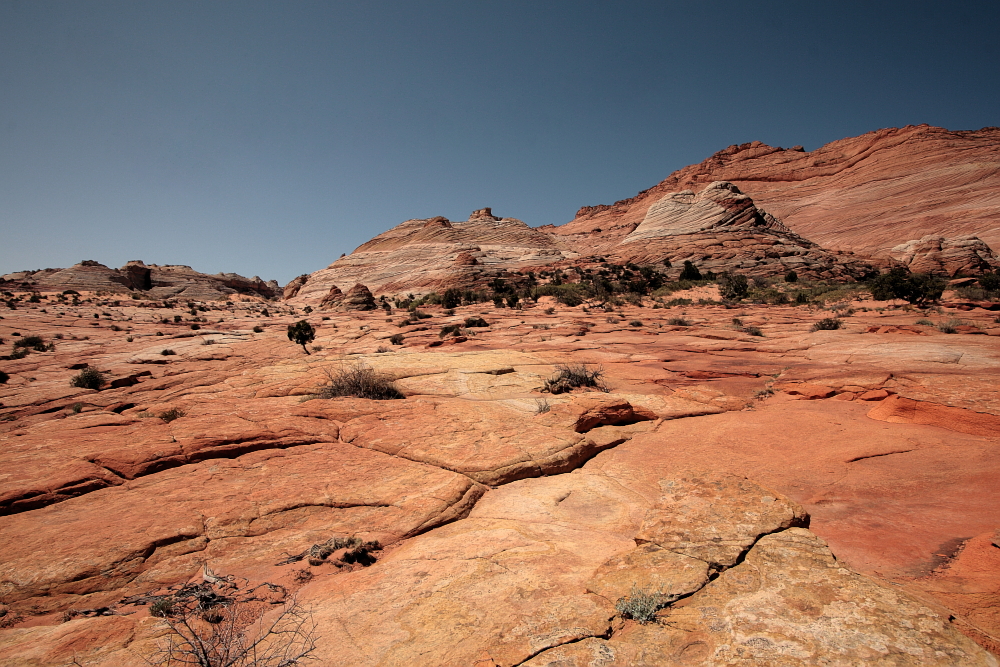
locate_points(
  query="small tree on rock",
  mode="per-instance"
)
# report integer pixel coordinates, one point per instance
(301, 333)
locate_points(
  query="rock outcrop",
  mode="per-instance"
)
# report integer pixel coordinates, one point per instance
(721, 229)
(433, 254)
(954, 256)
(154, 281)
(358, 297)
(865, 193)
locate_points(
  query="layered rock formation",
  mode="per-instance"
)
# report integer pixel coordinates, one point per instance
(155, 281)
(434, 254)
(721, 229)
(958, 256)
(864, 193)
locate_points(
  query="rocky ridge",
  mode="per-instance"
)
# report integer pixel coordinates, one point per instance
(153, 281)
(866, 193)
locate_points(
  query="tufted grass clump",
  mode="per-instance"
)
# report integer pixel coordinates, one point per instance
(88, 378)
(361, 381)
(641, 606)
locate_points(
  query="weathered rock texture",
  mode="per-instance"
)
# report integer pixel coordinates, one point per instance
(957, 256)
(862, 193)
(433, 254)
(158, 282)
(720, 229)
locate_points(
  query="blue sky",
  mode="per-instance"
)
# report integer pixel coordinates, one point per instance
(270, 137)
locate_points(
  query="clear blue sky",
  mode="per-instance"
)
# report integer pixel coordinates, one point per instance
(268, 138)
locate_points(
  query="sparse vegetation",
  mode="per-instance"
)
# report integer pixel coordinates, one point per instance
(88, 378)
(4, 377)
(450, 330)
(678, 322)
(733, 286)
(361, 381)
(827, 324)
(396, 339)
(635, 323)
(689, 272)
(950, 327)
(641, 606)
(471, 322)
(258, 329)
(36, 343)
(222, 625)
(171, 414)
(167, 352)
(574, 376)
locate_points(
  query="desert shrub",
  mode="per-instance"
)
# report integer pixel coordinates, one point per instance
(361, 381)
(678, 302)
(167, 352)
(915, 288)
(753, 331)
(690, 271)
(420, 315)
(542, 406)
(635, 323)
(195, 327)
(3, 377)
(396, 339)
(88, 378)
(678, 322)
(171, 414)
(827, 324)
(221, 624)
(471, 322)
(36, 343)
(549, 310)
(927, 323)
(791, 276)
(258, 329)
(452, 298)
(949, 327)
(450, 330)
(990, 281)
(301, 333)
(177, 319)
(733, 286)
(642, 606)
(573, 376)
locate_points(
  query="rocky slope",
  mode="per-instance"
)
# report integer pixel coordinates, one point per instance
(796, 497)
(426, 255)
(866, 193)
(153, 281)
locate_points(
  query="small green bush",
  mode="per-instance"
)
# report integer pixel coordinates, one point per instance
(678, 322)
(88, 378)
(471, 322)
(733, 286)
(791, 276)
(450, 330)
(642, 606)
(36, 343)
(396, 339)
(949, 327)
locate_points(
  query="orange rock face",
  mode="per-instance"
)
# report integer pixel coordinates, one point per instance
(866, 193)
(787, 498)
